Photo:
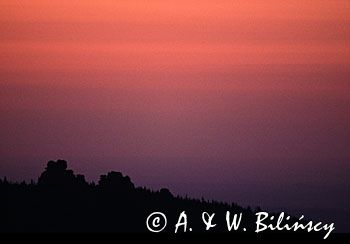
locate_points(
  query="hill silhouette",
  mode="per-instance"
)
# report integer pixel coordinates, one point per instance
(62, 201)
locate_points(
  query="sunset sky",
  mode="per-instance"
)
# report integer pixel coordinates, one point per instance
(233, 100)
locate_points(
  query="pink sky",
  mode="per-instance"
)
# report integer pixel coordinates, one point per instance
(183, 91)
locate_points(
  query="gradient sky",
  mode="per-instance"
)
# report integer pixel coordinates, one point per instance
(233, 100)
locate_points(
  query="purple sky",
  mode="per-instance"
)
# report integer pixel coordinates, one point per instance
(236, 101)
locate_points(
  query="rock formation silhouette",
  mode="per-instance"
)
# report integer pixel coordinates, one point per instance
(61, 201)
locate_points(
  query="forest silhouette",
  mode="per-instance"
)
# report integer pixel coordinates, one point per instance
(61, 201)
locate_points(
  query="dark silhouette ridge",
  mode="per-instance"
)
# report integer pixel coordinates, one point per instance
(64, 202)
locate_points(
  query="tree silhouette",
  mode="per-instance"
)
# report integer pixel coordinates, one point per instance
(64, 202)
